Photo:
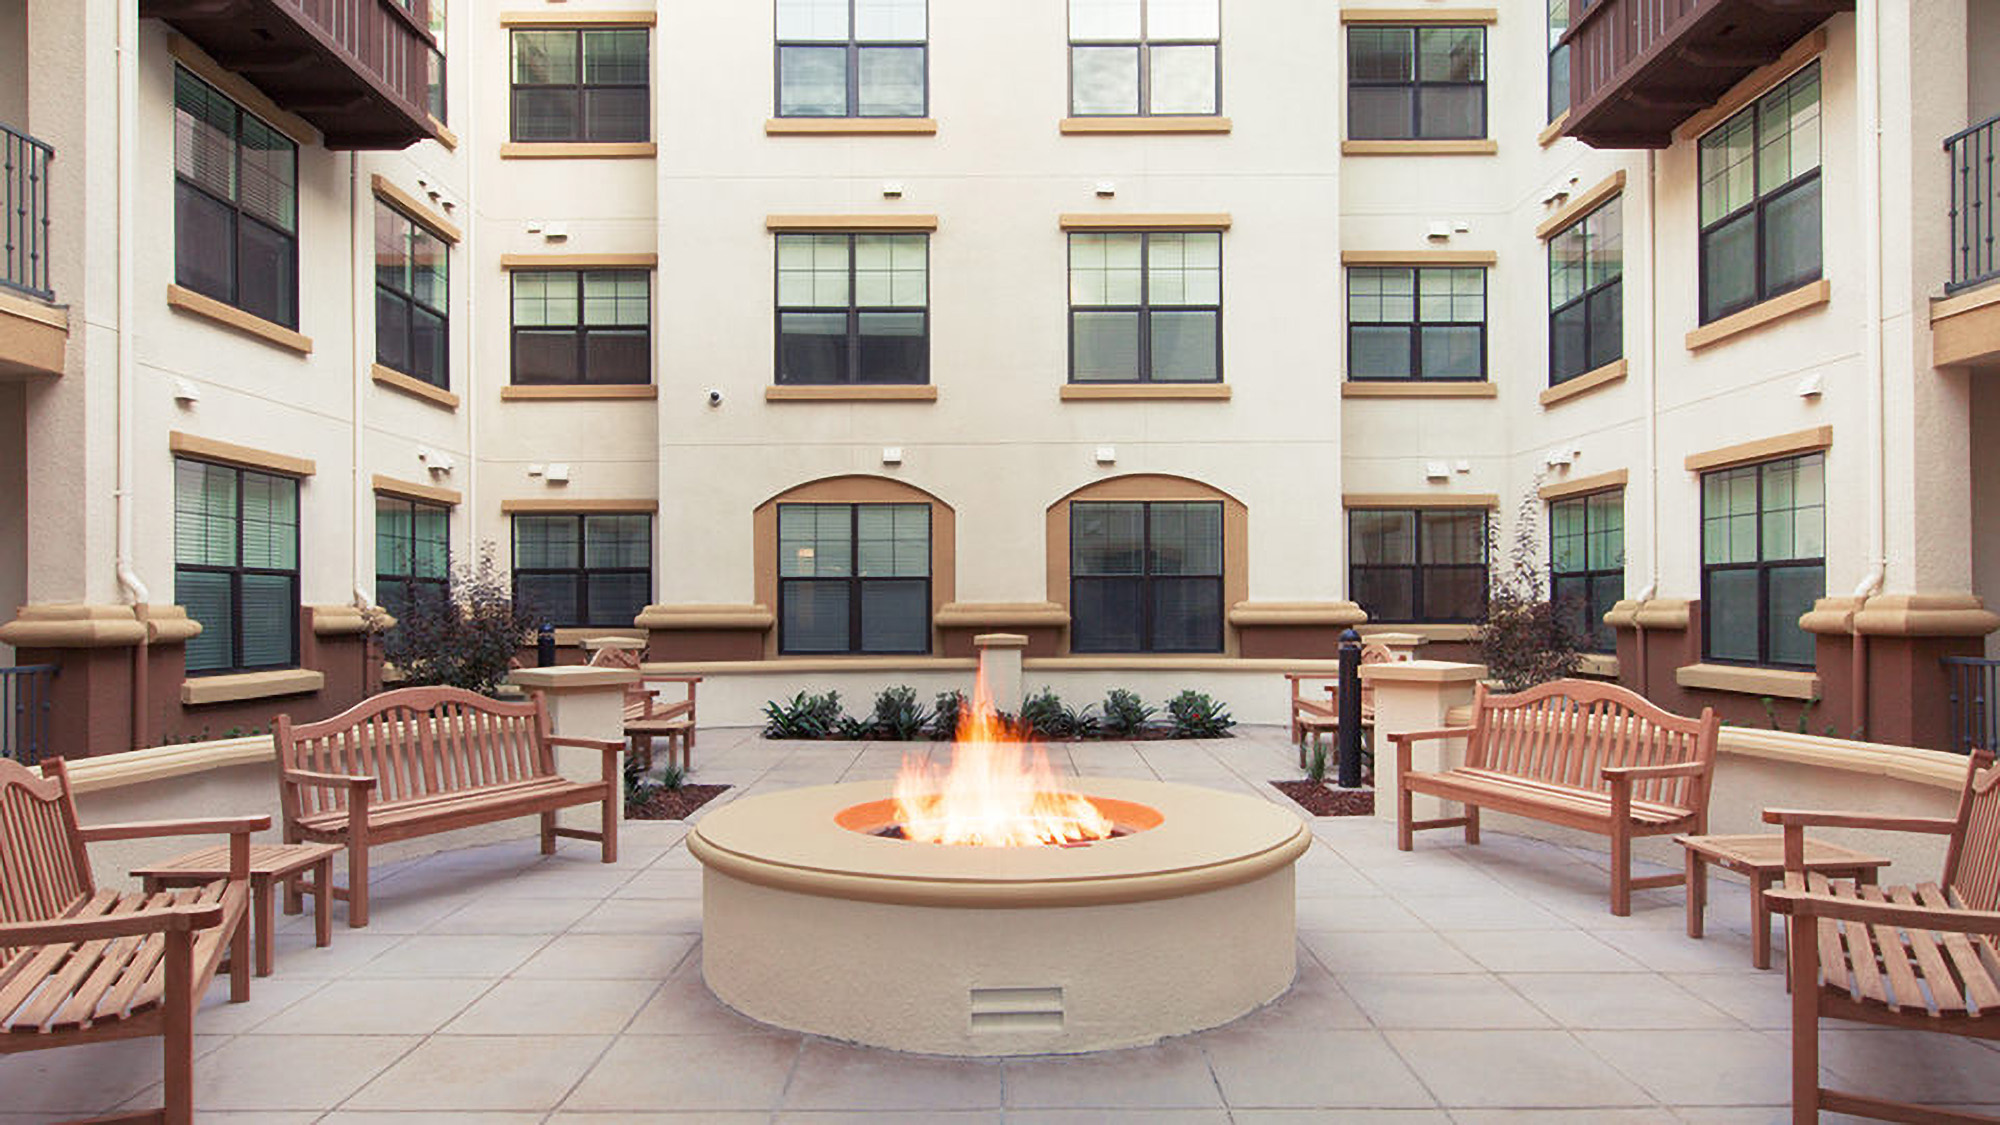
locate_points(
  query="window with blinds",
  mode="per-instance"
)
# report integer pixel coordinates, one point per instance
(236, 566)
(236, 202)
(854, 578)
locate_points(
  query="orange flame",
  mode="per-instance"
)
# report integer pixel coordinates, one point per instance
(991, 796)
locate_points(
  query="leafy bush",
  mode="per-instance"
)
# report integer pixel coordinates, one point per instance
(1524, 639)
(1125, 714)
(806, 716)
(1195, 715)
(1048, 717)
(945, 714)
(898, 715)
(672, 776)
(466, 638)
(847, 728)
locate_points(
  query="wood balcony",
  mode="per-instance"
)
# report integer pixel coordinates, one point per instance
(357, 70)
(1638, 68)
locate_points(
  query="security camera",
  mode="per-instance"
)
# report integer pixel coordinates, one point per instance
(714, 397)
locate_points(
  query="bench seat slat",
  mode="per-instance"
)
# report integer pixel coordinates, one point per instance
(1482, 785)
(1945, 994)
(1895, 955)
(498, 802)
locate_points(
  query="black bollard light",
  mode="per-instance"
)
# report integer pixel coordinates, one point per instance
(1350, 710)
(545, 646)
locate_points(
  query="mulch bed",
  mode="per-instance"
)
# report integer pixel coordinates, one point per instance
(674, 804)
(1321, 799)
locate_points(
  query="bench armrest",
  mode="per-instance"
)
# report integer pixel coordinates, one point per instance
(1813, 817)
(328, 780)
(160, 919)
(586, 743)
(1805, 904)
(144, 829)
(1682, 769)
(1408, 736)
(655, 709)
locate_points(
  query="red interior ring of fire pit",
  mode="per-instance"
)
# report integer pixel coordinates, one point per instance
(870, 818)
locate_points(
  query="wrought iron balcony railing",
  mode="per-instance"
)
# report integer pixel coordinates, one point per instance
(1974, 226)
(24, 225)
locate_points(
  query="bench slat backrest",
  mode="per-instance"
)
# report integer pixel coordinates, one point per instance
(44, 872)
(1565, 732)
(417, 742)
(1972, 865)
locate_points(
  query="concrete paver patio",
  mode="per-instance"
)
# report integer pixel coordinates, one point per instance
(1452, 984)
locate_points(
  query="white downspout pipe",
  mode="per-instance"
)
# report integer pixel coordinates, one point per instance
(363, 511)
(1649, 348)
(1868, 96)
(129, 586)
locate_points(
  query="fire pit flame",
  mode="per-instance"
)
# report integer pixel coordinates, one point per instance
(994, 794)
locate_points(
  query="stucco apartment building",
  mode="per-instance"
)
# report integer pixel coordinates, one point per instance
(1176, 335)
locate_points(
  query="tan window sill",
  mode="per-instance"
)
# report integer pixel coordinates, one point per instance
(208, 308)
(580, 392)
(1418, 389)
(229, 453)
(1758, 315)
(445, 136)
(411, 490)
(850, 126)
(585, 150)
(1613, 372)
(1782, 682)
(416, 388)
(1420, 15)
(1553, 131)
(1144, 392)
(1583, 486)
(897, 393)
(1420, 148)
(1763, 449)
(561, 18)
(1140, 125)
(1597, 664)
(585, 507)
(778, 223)
(250, 685)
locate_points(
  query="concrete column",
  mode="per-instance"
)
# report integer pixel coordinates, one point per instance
(1413, 695)
(1000, 667)
(584, 702)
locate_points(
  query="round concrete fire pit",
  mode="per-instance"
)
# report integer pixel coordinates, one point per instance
(812, 922)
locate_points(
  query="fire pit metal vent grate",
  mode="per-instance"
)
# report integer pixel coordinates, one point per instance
(1017, 1009)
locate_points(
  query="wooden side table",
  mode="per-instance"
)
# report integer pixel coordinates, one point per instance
(1762, 859)
(679, 734)
(269, 864)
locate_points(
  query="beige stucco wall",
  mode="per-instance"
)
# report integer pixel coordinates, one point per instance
(1982, 41)
(1985, 510)
(14, 64)
(13, 504)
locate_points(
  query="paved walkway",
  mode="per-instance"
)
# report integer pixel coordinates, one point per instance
(1452, 984)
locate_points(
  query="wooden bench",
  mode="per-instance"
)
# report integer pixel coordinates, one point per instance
(417, 761)
(84, 965)
(647, 715)
(1583, 755)
(1924, 957)
(1311, 718)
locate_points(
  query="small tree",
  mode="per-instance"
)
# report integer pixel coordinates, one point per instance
(1524, 638)
(465, 638)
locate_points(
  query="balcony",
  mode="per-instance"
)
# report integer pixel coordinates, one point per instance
(33, 333)
(357, 70)
(1965, 323)
(1638, 68)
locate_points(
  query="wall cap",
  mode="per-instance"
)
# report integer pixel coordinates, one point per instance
(73, 625)
(1784, 683)
(1441, 632)
(968, 615)
(572, 678)
(1666, 614)
(1423, 672)
(167, 624)
(705, 616)
(250, 685)
(1334, 613)
(1902, 615)
(348, 620)
(999, 640)
(158, 763)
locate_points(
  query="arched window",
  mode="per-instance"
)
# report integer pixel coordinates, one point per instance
(854, 564)
(1148, 563)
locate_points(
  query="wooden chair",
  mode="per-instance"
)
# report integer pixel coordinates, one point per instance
(648, 716)
(83, 965)
(1311, 718)
(417, 761)
(1578, 753)
(1924, 957)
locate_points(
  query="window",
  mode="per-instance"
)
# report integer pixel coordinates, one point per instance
(434, 99)
(1407, 322)
(1422, 564)
(1587, 293)
(853, 308)
(1760, 207)
(584, 569)
(574, 84)
(582, 326)
(1416, 83)
(1145, 307)
(411, 323)
(1763, 560)
(1587, 564)
(1558, 59)
(236, 566)
(851, 58)
(854, 578)
(412, 553)
(1145, 576)
(1144, 57)
(236, 203)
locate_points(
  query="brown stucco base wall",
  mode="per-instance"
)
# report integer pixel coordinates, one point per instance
(351, 663)
(1304, 642)
(1042, 640)
(90, 699)
(1667, 650)
(1465, 652)
(1908, 690)
(681, 645)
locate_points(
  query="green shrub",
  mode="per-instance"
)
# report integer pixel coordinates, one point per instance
(1125, 714)
(898, 715)
(945, 714)
(1048, 717)
(1525, 639)
(806, 716)
(465, 638)
(1195, 715)
(672, 776)
(1316, 765)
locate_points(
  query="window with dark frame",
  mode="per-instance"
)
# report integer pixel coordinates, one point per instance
(434, 83)
(1587, 292)
(853, 308)
(1416, 322)
(1763, 560)
(1418, 564)
(581, 84)
(1760, 198)
(1145, 576)
(852, 58)
(582, 327)
(1144, 58)
(236, 566)
(1416, 83)
(236, 203)
(412, 325)
(412, 553)
(1145, 307)
(1558, 59)
(854, 578)
(1587, 564)
(573, 569)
